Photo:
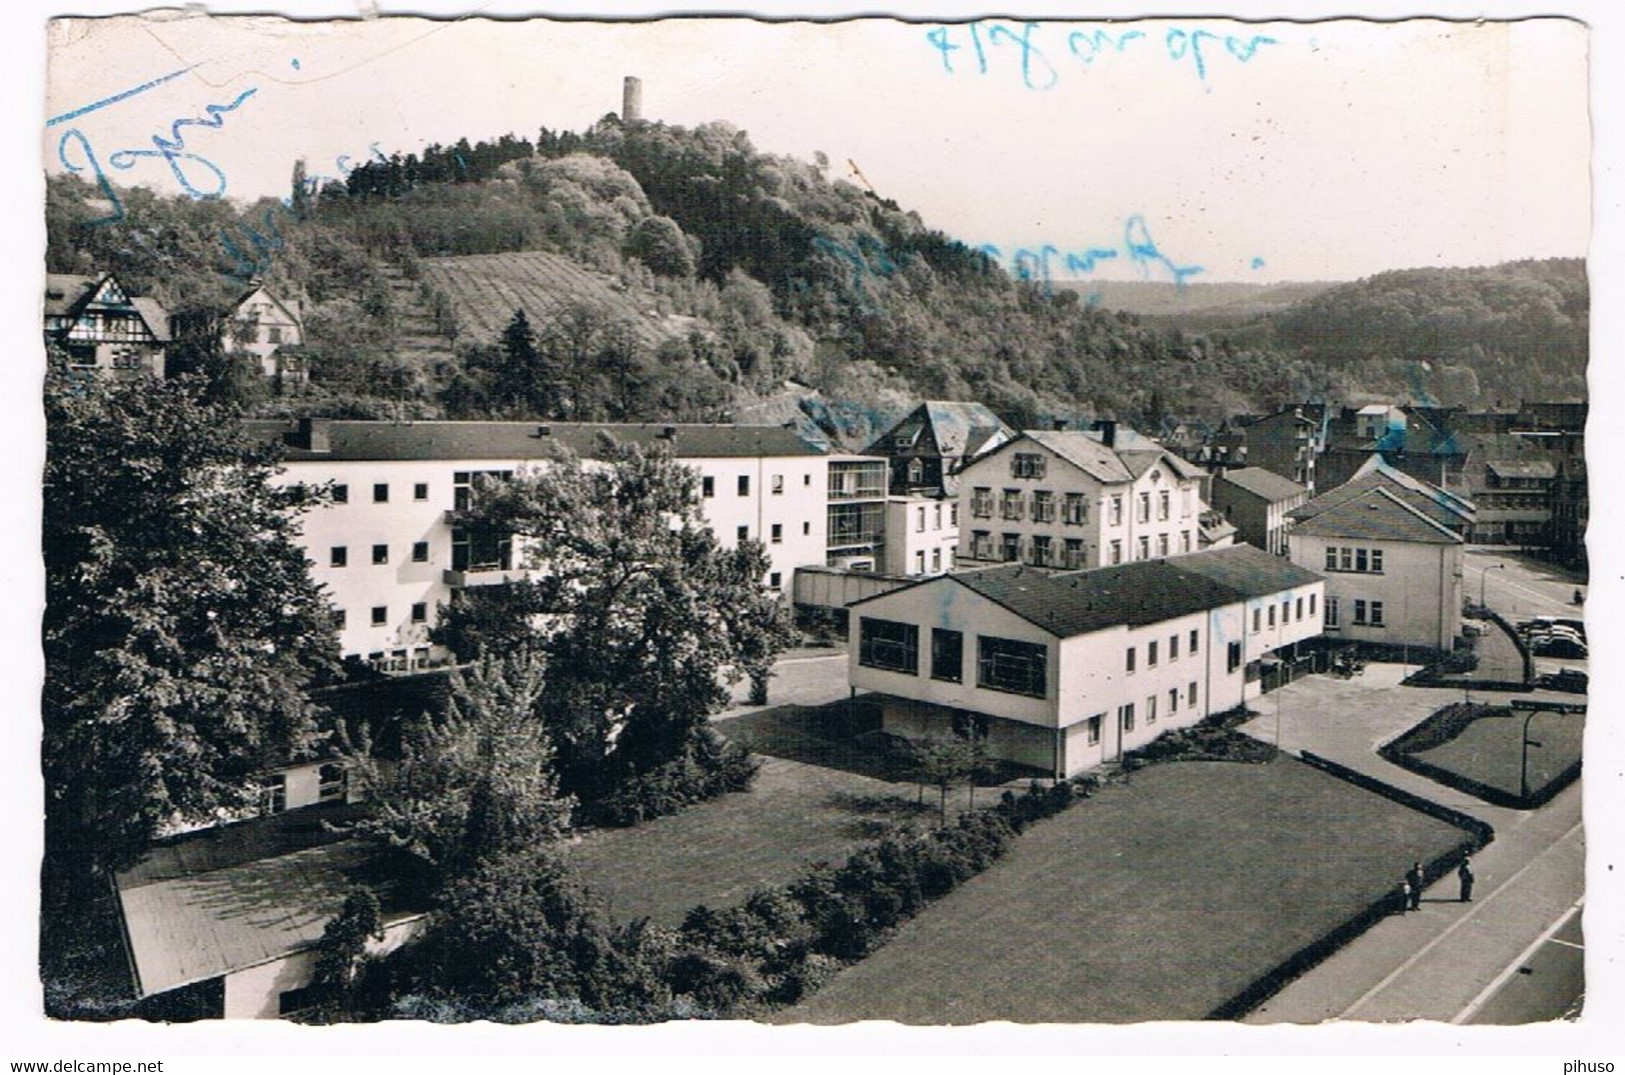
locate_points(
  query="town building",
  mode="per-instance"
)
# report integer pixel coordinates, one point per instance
(1076, 499)
(102, 327)
(1258, 501)
(388, 553)
(1062, 671)
(271, 331)
(1393, 568)
(856, 512)
(1450, 510)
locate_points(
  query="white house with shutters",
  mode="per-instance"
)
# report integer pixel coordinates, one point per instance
(1076, 499)
(1062, 671)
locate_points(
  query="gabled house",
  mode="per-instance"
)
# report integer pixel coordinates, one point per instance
(104, 328)
(1062, 671)
(1450, 510)
(270, 330)
(1258, 501)
(1077, 499)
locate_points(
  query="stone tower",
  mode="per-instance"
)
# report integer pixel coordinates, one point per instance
(632, 100)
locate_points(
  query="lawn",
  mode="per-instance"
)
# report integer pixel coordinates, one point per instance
(1160, 899)
(1479, 750)
(816, 798)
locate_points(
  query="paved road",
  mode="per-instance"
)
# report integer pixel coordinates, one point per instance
(1546, 981)
(1523, 587)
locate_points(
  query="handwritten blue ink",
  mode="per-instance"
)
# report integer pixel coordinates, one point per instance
(117, 97)
(169, 149)
(95, 165)
(1258, 263)
(1038, 73)
(1028, 52)
(295, 62)
(1096, 40)
(1144, 252)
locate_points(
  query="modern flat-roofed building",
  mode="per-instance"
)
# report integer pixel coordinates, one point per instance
(1061, 671)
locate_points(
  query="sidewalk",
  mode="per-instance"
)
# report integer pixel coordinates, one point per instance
(1432, 963)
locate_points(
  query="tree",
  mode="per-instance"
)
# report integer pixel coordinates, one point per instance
(342, 951)
(181, 625)
(646, 617)
(943, 761)
(476, 783)
(659, 243)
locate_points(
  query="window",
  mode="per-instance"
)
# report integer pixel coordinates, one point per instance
(1311, 604)
(1185, 502)
(1299, 615)
(1345, 559)
(481, 550)
(778, 533)
(1376, 561)
(331, 781)
(1041, 549)
(1184, 541)
(1331, 610)
(420, 552)
(1233, 657)
(1162, 544)
(1286, 608)
(947, 655)
(919, 519)
(1117, 552)
(916, 471)
(1117, 510)
(888, 645)
(1027, 465)
(806, 528)
(1331, 558)
(778, 485)
(1257, 615)
(1151, 709)
(273, 334)
(1128, 660)
(1076, 510)
(1043, 506)
(953, 514)
(775, 579)
(462, 484)
(743, 533)
(806, 479)
(919, 561)
(1012, 547)
(420, 491)
(338, 556)
(1092, 730)
(1173, 701)
(981, 545)
(981, 503)
(1173, 647)
(1162, 504)
(1125, 716)
(273, 794)
(380, 554)
(1272, 617)
(1151, 654)
(380, 493)
(1006, 664)
(1195, 640)
(744, 485)
(1145, 547)
(1359, 612)
(1073, 554)
(936, 559)
(380, 615)
(936, 517)
(1360, 560)
(341, 494)
(1145, 507)
(1010, 506)
(708, 486)
(1190, 694)
(420, 612)
(1376, 614)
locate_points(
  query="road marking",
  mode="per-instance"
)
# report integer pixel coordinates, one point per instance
(1567, 944)
(1512, 968)
(1549, 599)
(1457, 924)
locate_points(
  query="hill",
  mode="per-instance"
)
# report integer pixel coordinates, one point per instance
(1210, 301)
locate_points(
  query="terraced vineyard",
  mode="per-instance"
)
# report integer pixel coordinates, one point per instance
(485, 289)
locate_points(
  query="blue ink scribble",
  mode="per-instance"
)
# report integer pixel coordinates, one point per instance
(295, 62)
(170, 149)
(77, 137)
(1095, 41)
(1257, 263)
(1144, 252)
(1028, 52)
(1087, 46)
(115, 98)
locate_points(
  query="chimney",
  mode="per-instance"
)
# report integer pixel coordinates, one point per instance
(314, 435)
(668, 433)
(1108, 432)
(1059, 425)
(544, 431)
(632, 100)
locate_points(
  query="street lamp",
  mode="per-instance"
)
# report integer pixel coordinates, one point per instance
(1523, 770)
(1483, 577)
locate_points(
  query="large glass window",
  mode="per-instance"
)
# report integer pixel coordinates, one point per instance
(888, 645)
(947, 655)
(481, 550)
(1006, 664)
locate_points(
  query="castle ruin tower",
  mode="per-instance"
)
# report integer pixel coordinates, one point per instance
(632, 100)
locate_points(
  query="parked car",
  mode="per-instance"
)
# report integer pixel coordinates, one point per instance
(1558, 646)
(1571, 680)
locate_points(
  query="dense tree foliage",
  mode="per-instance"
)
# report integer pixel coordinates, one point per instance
(181, 624)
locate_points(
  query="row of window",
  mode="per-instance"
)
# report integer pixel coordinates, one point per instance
(380, 615)
(936, 517)
(339, 555)
(1002, 664)
(937, 563)
(775, 533)
(1126, 713)
(380, 493)
(1352, 558)
(1073, 508)
(1151, 650)
(1366, 613)
(1043, 551)
(708, 484)
(1289, 605)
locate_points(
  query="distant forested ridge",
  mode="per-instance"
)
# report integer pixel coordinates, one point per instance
(740, 276)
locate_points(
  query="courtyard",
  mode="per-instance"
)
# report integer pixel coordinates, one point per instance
(1482, 750)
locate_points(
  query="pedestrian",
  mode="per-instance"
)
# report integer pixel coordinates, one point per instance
(1464, 874)
(1413, 878)
(1402, 902)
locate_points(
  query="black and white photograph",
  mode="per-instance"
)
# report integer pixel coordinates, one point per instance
(656, 522)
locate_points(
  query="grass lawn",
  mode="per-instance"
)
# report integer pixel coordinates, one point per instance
(1157, 900)
(815, 798)
(1487, 751)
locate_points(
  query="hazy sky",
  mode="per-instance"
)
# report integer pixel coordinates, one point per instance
(1257, 151)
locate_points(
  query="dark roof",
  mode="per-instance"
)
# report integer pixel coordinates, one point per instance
(1378, 515)
(67, 294)
(356, 440)
(1264, 484)
(1070, 603)
(959, 428)
(1521, 468)
(1450, 510)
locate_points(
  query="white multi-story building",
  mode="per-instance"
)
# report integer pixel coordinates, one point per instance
(386, 550)
(1062, 671)
(922, 535)
(1074, 499)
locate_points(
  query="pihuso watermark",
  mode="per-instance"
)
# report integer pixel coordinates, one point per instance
(1576, 1067)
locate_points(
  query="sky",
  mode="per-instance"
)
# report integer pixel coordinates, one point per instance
(1239, 151)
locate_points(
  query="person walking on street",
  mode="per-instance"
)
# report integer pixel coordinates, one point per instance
(1464, 874)
(1413, 878)
(1402, 902)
